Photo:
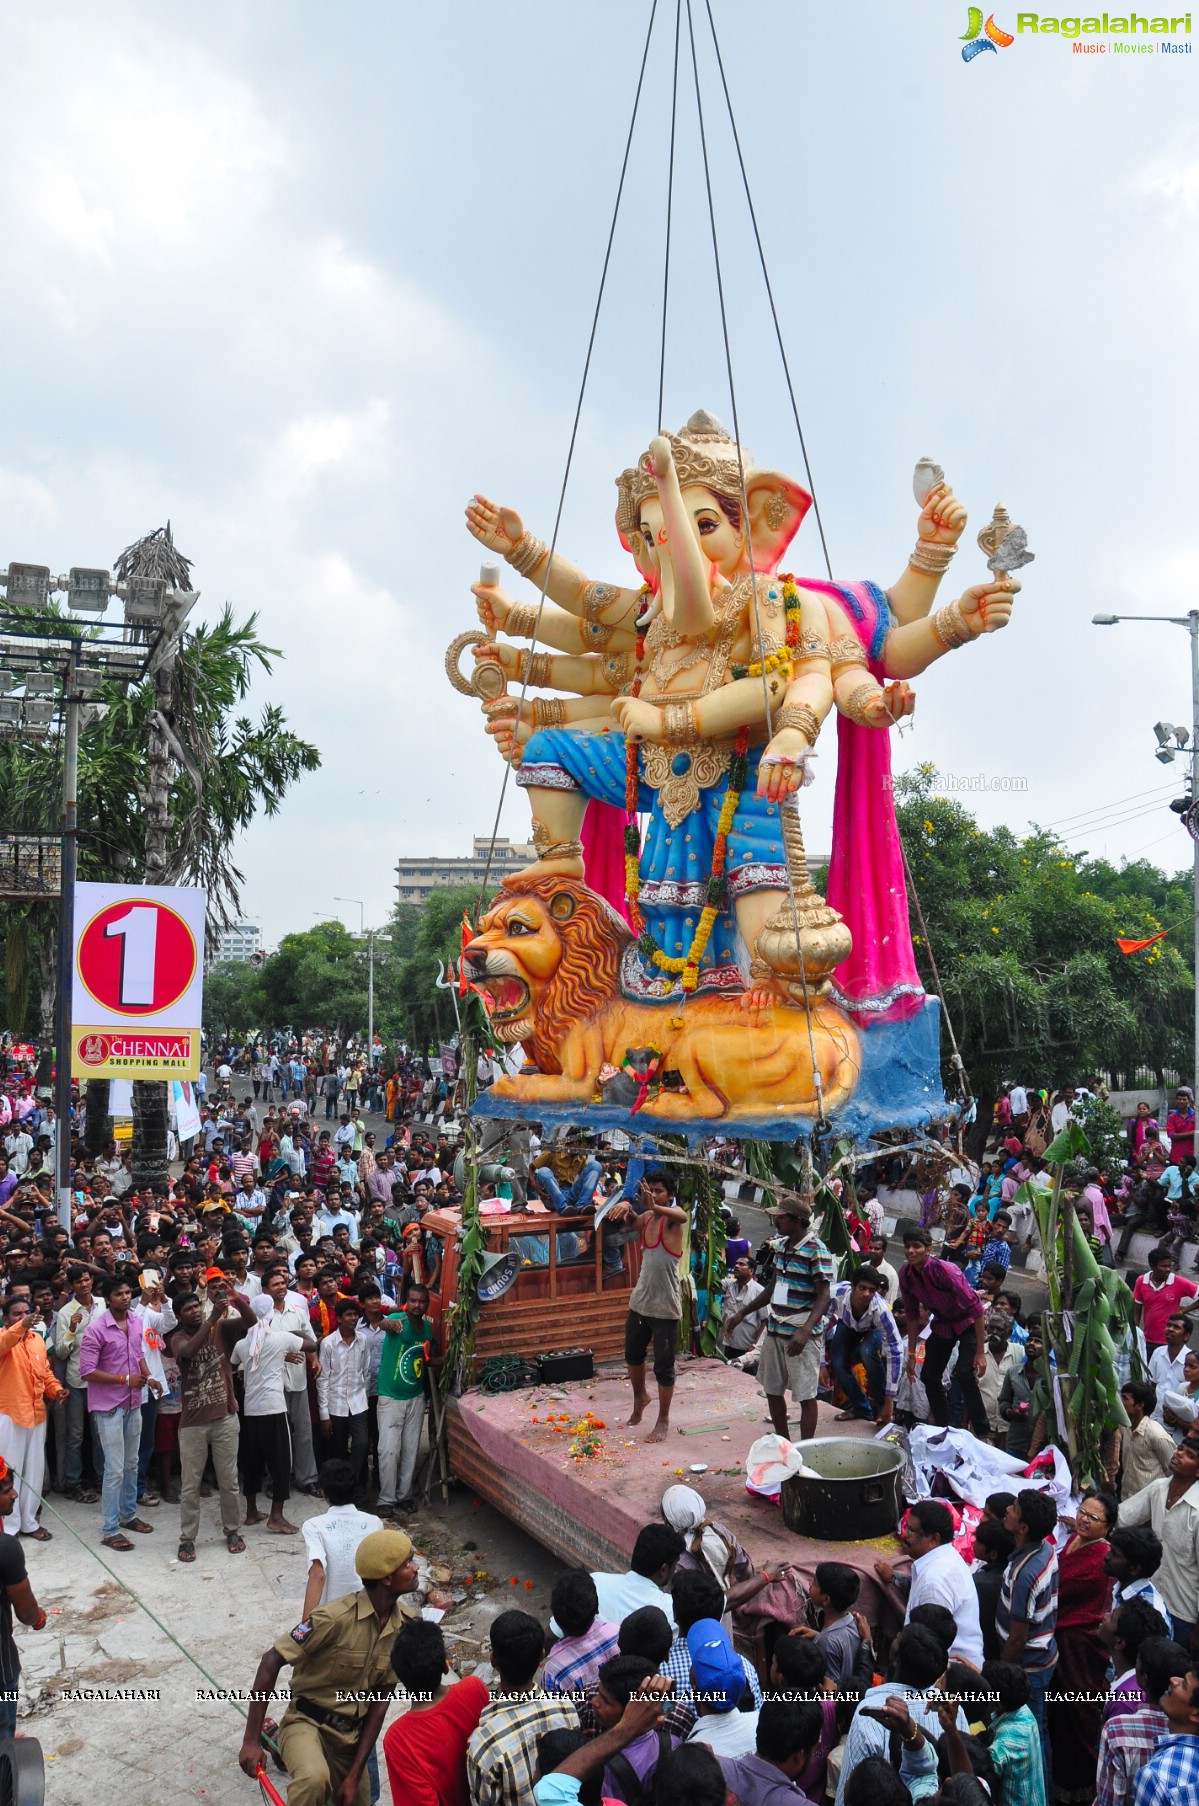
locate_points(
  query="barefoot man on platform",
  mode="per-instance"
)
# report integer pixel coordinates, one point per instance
(656, 1303)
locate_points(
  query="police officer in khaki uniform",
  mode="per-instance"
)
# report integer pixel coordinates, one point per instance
(341, 1683)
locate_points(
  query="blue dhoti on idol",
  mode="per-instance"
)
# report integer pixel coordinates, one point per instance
(676, 861)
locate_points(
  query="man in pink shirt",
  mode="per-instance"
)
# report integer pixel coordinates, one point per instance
(1158, 1295)
(112, 1361)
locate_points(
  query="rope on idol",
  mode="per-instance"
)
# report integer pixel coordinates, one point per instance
(957, 1061)
(574, 433)
(817, 1080)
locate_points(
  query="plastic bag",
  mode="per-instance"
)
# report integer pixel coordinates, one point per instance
(770, 1461)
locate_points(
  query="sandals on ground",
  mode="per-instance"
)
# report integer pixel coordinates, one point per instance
(116, 1542)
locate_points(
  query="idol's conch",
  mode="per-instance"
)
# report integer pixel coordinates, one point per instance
(549, 953)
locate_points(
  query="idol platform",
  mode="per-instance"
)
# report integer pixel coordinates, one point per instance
(515, 1450)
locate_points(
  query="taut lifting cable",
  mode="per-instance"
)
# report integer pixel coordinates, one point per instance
(817, 1078)
(674, 110)
(778, 331)
(574, 432)
(957, 1059)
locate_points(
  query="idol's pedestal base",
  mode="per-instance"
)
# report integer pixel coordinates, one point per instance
(898, 1087)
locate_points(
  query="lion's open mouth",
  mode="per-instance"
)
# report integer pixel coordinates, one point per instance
(509, 996)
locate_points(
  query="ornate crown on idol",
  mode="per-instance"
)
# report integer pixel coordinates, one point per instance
(703, 453)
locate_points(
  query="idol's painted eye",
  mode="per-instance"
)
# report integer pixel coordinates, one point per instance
(707, 524)
(516, 926)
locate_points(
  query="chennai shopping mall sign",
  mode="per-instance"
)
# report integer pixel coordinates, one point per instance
(136, 998)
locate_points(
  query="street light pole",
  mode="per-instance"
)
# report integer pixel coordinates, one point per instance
(371, 992)
(1191, 622)
(370, 963)
(66, 944)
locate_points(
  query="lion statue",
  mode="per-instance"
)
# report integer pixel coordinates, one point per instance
(548, 953)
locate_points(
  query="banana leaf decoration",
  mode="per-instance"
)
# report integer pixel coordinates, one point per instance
(1079, 1388)
(472, 1242)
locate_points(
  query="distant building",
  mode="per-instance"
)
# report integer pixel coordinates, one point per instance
(240, 941)
(417, 879)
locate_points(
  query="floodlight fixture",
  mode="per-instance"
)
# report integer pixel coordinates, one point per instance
(28, 585)
(145, 599)
(88, 589)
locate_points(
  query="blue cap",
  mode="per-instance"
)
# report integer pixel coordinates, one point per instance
(717, 1671)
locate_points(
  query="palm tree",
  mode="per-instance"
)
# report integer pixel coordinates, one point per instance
(167, 781)
(208, 776)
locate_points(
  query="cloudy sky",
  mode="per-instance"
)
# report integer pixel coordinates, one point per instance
(303, 277)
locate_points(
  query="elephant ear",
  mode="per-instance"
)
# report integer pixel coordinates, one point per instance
(634, 544)
(777, 505)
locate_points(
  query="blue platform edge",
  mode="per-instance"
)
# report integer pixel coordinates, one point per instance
(900, 1088)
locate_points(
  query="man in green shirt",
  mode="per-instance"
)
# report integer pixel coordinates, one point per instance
(409, 1345)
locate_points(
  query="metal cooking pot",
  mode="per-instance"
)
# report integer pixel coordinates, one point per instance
(855, 1493)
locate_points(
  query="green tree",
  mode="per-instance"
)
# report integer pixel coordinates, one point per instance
(428, 1013)
(1024, 936)
(317, 977)
(233, 999)
(220, 769)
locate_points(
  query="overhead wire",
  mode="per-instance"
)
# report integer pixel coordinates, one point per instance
(574, 433)
(1090, 829)
(1113, 803)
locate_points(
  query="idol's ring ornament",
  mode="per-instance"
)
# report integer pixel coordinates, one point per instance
(488, 680)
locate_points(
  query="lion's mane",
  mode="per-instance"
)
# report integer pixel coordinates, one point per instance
(593, 939)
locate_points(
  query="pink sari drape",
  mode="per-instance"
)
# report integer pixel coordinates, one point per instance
(603, 853)
(866, 883)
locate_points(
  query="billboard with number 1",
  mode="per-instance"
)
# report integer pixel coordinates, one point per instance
(139, 973)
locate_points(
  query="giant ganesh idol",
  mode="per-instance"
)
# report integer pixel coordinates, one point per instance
(686, 970)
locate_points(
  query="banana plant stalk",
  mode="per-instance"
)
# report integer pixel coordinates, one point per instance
(464, 1319)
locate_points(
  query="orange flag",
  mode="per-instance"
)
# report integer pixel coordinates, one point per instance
(1140, 946)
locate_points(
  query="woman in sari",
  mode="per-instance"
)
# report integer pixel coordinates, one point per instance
(712, 1546)
(1084, 1597)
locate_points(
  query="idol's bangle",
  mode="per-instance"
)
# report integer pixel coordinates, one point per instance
(855, 705)
(949, 626)
(848, 650)
(534, 668)
(799, 716)
(527, 554)
(548, 711)
(930, 558)
(679, 724)
(521, 623)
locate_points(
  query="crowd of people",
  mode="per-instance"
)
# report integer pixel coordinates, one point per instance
(261, 1325)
